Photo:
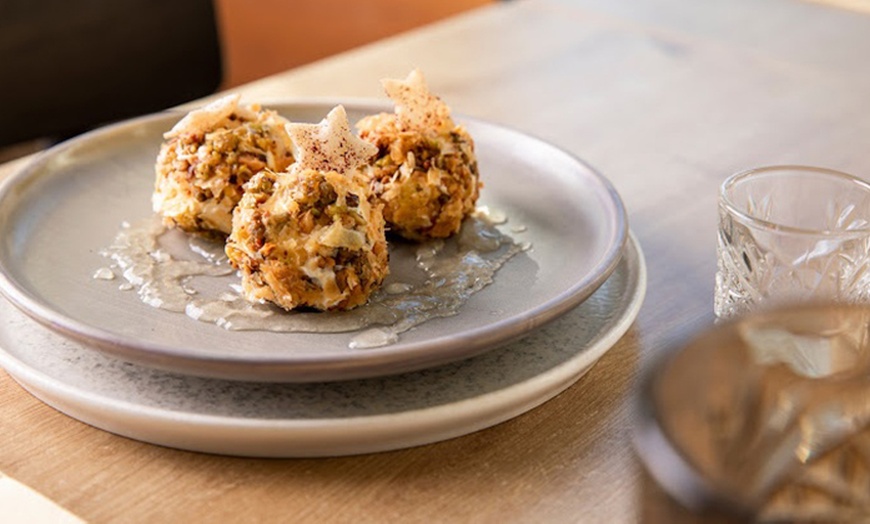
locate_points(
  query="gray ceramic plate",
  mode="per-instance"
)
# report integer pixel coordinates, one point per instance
(322, 419)
(60, 211)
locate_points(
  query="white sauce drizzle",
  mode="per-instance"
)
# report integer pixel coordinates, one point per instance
(397, 288)
(373, 338)
(104, 273)
(190, 274)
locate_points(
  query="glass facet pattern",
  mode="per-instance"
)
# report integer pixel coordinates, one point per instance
(792, 234)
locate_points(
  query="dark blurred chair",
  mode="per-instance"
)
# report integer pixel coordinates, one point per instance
(67, 66)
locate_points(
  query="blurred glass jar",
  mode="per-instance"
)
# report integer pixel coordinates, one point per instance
(765, 416)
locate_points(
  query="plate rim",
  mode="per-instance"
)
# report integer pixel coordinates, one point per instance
(298, 438)
(312, 367)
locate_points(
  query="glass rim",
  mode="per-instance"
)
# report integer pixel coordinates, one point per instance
(732, 180)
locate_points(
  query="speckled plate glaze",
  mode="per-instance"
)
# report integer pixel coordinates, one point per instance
(325, 419)
(58, 213)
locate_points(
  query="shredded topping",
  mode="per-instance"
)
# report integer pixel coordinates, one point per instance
(212, 115)
(329, 145)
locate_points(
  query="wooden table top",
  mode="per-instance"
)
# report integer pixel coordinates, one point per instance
(665, 98)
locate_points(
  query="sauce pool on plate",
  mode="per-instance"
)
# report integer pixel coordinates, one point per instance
(190, 275)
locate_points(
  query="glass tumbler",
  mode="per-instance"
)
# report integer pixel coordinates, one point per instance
(792, 234)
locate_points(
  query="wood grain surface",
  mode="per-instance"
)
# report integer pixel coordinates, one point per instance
(664, 97)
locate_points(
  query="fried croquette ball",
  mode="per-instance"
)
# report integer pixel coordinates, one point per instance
(312, 237)
(209, 155)
(425, 172)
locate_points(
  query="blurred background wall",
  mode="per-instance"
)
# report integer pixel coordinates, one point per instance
(262, 37)
(70, 66)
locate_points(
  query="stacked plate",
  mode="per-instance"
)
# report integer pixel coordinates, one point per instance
(104, 357)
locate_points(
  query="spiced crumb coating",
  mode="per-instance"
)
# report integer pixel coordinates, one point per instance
(425, 171)
(207, 158)
(312, 237)
(308, 239)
